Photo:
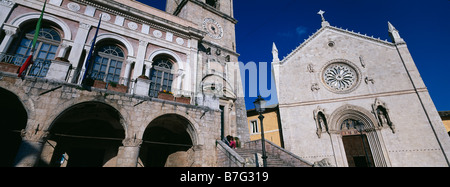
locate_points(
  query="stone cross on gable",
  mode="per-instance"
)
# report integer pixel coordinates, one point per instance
(321, 12)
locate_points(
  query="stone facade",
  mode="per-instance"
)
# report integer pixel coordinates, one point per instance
(351, 79)
(120, 121)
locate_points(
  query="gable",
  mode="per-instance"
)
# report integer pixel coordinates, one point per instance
(372, 62)
(330, 30)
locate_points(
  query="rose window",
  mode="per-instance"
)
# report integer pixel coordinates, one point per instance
(340, 77)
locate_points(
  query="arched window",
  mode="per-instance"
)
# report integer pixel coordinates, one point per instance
(161, 76)
(108, 63)
(45, 50)
(212, 3)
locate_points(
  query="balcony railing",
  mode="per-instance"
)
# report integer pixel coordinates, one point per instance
(38, 69)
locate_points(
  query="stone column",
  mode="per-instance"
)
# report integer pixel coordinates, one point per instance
(63, 48)
(77, 49)
(148, 66)
(138, 67)
(126, 76)
(30, 150)
(129, 153)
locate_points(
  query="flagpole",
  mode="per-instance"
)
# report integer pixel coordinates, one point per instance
(88, 59)
(29, 61)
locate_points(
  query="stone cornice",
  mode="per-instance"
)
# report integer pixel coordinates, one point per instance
(136, 15)
(342, 99)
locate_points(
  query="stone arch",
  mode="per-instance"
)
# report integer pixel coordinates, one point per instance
(14, 118)
(177, 58)
(66, 106)
(168, 140)
(85, 134)
(371, 135)
(18, 21)
(192, 128)
(350, 111)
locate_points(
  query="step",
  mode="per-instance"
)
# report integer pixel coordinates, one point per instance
(272, 161)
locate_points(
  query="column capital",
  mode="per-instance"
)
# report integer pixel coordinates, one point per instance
(10, 30)
(148, 64)
(130, 60)
(34, 135)
(143, 43)
(85, 25)
(132, 142)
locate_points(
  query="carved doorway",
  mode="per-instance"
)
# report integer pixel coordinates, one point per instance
(356, 145)
(357, 151)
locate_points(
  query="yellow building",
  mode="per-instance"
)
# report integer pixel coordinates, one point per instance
(271, 122)
(445, 116)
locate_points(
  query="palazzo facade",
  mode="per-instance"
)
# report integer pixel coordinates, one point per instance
(166, 84)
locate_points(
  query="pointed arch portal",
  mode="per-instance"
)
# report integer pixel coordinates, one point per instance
(357, 148)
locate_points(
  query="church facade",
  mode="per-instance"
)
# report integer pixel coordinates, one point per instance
(361, 102)
(166, 85)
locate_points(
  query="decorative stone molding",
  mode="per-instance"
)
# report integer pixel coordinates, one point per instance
(368, 79)
(7, 3)
(85, 25)
(310, 68)
(105, 16)
(315, 87)
(10, 30)
(132, 25)
(340, 76)
(180, 41)
(157, 33)
(73, 6)
(353, 112)
(362, 61)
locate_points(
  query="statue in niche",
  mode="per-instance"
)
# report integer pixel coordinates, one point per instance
(383, 118)
(381, 112)
(322, 125)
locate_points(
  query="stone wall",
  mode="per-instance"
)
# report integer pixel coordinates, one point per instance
(45, 100)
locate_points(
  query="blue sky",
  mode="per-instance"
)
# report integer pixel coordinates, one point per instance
(424, 25)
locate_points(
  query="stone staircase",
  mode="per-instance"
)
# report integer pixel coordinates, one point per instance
(245, 156)
(272, 160)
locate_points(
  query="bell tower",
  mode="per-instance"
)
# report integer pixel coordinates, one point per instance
(215, 17)
(218, 72)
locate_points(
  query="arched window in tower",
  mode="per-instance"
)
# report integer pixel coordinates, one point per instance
(45, 51)
(161, 76)
(108, 63)
(212, 3)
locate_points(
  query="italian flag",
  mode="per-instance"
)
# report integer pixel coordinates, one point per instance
(29, 61)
